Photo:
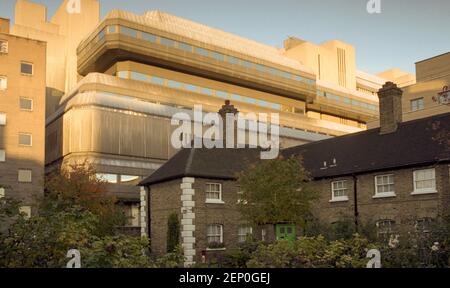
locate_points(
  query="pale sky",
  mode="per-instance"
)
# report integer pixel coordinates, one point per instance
(406, 31)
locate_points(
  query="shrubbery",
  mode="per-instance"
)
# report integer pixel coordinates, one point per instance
(75, 214)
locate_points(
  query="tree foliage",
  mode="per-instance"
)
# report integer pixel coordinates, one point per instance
(276, 191)
(173, 232)
(78, 214)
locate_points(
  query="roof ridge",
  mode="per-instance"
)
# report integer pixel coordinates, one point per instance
(189, 161)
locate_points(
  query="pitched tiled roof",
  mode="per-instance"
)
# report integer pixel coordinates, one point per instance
(419, 142)
(204, 163)
(415, 143)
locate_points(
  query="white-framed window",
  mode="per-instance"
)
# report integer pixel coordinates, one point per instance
(2, 119)
(26, 104)
(240, 196)
(132, 212)
(2, 193)
(26, 68)
(385, 228)
(25, 139)
(24, 176)
(424, 181)
(214, 233)
(244, 232)
(384, 185)
(417, 104)
(2, 155)
(3, 47)
(424, 225)
(26, 210)
(263, 234)
(214, 192)
(3, 82)
(339, 190)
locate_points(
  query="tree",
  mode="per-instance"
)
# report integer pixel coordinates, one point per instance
(276, 191)
(75, 213)
(77, 185)
(173, 232)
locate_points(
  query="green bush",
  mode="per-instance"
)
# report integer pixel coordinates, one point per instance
(173, 232)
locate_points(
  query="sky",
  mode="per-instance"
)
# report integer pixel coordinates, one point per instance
(406, 31)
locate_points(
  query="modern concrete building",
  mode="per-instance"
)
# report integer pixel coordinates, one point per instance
(422, 98)
(22, 116)
(63, 32)
(137, 71)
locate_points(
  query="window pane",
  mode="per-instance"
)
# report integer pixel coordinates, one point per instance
(218, 56)
(174, 84)
(233, 60)
(25, 139)
(185, 47)
(158, 80)
(167, 42)
(26, 68)
(3, 46)
(2, 119)
(207, 91)
(221, 94)
(2, 156)
(122, 74)
(201, 51)
(247, 64)
(260, 68)
(24, 176)
(129, 179)
(109, 178)
(128, 31)
(138, 76)
(191, 87)
(149, 37)
(26, 104)
(3, 82)
(112, 29)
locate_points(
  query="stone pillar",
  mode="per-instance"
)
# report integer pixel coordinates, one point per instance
(390, 107)
(187, 220)
(143, 212)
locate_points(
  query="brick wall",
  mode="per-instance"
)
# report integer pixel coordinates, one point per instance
(404, 208)
(165, 199)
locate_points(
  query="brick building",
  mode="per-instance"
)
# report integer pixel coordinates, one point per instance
(396, 175)
(22, 117)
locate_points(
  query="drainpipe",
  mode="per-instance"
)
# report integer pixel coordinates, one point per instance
(355, 199)
(147, 190)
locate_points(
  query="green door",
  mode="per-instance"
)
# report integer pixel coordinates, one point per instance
(285, 232)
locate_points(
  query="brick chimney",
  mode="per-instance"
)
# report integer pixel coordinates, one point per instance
(390, 107)
(4, 25)
(230, 110)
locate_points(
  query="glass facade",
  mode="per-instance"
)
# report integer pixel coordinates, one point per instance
(346, 100)
(210, 54)
(197, 89)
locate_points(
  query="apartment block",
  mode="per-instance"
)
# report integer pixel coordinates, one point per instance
(22, 116)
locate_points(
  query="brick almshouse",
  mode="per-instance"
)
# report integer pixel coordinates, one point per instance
(396, 176)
